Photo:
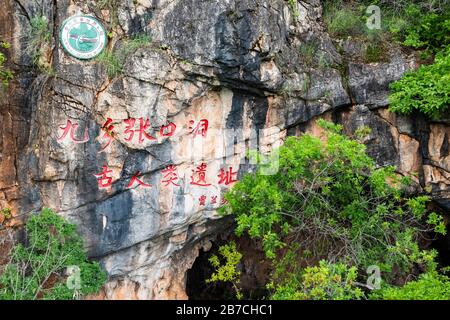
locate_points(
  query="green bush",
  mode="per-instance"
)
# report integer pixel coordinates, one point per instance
(343, 19)
(226, 270)
(374, 52)
(37, 269)
(293, 6)
(429, 31)
(429, 286)
(331, 186)
(425, 90)
(330, 202)
(323, 282)
(114, 61)
(5, 74)
(41, 34)
(329, 194)
(417, 24)
(6, 213)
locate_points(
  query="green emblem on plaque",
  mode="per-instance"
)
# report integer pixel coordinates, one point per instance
(83, 37)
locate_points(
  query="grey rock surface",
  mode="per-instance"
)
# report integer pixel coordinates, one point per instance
(235, 63)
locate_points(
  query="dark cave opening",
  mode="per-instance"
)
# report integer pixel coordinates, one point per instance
(441, 244)
(196, 286)
(254, 267)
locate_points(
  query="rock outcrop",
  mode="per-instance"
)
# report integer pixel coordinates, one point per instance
(236, 64)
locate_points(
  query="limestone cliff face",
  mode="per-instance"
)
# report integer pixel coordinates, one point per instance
(235, 63)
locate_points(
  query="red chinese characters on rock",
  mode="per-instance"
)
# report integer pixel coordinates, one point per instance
(226, 177)
(198, 177)
(168, 131)
(170, 176)
(134, 127)
(108, 129)
(143, 126)
(104, 181)
(202, 200)
(223, 201)
(201, 128)
(135, 180)
(70, 129)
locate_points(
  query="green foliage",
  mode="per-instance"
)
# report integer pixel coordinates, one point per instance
(429, 286)
(323, 282)
(362, 132)
(425, 90)
(429, 31)
(6, 213)
(36, 269)
(329, 193)
(374, 53)
(114, 61)
(136, 42)
(40, 29)
(111, 62)
(307, 53)
(438, 222)
(227, 272)
(40, 36)
(5, 74)
(5, 45)
(293, 7)
(343, 19)
(418, 24)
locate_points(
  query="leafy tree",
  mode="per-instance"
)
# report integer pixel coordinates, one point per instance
(329, 194)
(330, 201)
(429, 31)
(425, 90)
(37, 269)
